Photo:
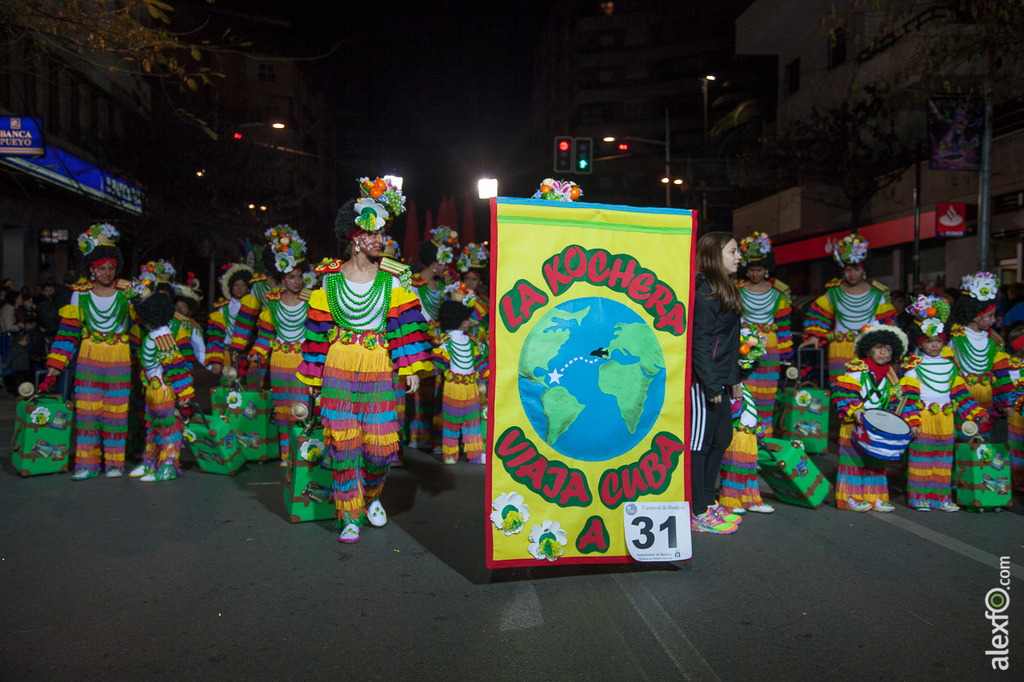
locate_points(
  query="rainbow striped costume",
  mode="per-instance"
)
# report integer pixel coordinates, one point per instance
(167, 376)
(985, 367)
(739, 465)
(1015, 424)
(357, 334)
(460, 358)
(282, 329)
(96, 327)
(421, 414)
(837, 317)
(768, 314)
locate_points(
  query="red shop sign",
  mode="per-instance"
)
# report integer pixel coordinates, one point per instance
(951, 219)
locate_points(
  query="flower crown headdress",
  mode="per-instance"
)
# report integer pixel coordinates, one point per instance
(755, 248)
(457, 291)
(142, 287)
(380, 201)
(391, 248)
(447, 241)
(982, 286)
(288, 247)
(159, 271)
(97, 235)
(850, 250)
(930, 314)
(558, 190)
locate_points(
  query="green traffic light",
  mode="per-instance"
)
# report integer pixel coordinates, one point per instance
(583, 163)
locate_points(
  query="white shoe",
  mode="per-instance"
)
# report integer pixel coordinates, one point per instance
(762, 508)
(81, 475)
(857, 505)
(148, 478)
(350, 533)
(138, 471)
(883, 507)
(283, 463)
(948, 506)
(921, 507)
(115, 473)
(375, 512)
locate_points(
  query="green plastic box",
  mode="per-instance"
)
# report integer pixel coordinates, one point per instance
(307, 490)
(251, 416)
(794, 478)
(982, 475)
(42, 435)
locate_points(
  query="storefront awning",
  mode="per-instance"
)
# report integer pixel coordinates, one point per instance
(889, 233)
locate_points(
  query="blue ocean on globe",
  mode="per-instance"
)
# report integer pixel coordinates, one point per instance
(598, 368)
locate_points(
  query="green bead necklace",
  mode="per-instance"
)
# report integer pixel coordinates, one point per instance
(357, 311)
(103, 321)
(972, 360)
(853, 312)
(939, 380)
(759, 308)
(461, 354)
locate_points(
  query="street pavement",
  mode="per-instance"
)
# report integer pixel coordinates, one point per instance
(204, 578)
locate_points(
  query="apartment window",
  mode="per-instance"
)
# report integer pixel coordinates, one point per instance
(792, 77)
(608, 8)
(267, 73)
(837, 48)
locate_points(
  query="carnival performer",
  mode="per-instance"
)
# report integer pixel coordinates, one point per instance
(95, 325)
(360, 325)
(848, 305)
(167, 377)
(459, 357)
(739, 491)
(943, 392)
(264, 280)
(282, 328)
(187, 332)
(871, 382)
(220, 331)
(1015, 418)
(393, 251)
(472, 265)
(716, 325)
(767, 305)
(446, 241)
(977, 349)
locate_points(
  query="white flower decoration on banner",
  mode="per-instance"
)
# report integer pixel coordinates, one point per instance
(234, 400)
(510, 513)
(39, 416)
(547, 541)
(312, 450)
(370, 215)
(932, 327)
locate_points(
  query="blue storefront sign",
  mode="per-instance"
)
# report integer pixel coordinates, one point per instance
(21, 136)
(71, 172)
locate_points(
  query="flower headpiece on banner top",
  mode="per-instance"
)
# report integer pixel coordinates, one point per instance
(930, 314)
(190, 289)
(391, 248)
(100, 234)
(230, 270)
(752, 347)
(447, 242)
(850, 250)
(160, 271)
(558, 190)
(755, 248)
(289, 249)
(982, 286)
(457, 291)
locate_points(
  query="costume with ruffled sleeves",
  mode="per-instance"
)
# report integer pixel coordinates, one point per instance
(767, 313)
(167, 378)
(189, 339)
(242, 338)
(282, 329)
(421, 417)
(930, 456)
(837, 317)
(985, 369)
(739, 465)
(1015, 424)
(862, 477)
(459, 357)
(356, 333)
(96, 327)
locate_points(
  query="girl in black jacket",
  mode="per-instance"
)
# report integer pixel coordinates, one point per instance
(715, 363)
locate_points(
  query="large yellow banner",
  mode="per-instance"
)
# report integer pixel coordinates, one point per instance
(588, 400)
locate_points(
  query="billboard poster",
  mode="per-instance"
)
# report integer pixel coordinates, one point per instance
(21, 136)
(588, 401)
(955, 127)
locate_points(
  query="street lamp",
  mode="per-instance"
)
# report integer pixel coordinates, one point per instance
(488, 188)
(704, 86)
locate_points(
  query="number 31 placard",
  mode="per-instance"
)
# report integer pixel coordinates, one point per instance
(658, 531)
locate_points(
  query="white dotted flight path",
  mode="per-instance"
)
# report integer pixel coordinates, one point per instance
(555, 377)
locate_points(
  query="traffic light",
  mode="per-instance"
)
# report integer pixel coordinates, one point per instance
(583, 158)
(563, 154)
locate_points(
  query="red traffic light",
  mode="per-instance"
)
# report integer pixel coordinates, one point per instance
(238, 136)
(563, 145)
(624, 147)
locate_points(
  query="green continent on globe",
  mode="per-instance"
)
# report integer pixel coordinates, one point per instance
(629, 383)
(561, 410)
(545, 340)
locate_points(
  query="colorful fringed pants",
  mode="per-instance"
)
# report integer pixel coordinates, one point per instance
(163, 432)
(930, 461)
(860, 478)
(980, 388)
(287, 390)
(102, 388)
(1015, 442)
(421, 419)
(400, 411)
(437, 426)
(764, 382)
(357, 410)
(840, 352)
(739, 473)
(460, 411)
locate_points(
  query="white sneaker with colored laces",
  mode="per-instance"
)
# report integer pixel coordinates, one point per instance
(375, 512)
(948, 506)
(857, 505)
(883, 507)
(138, 471)
(920, 507)
(148, 478)
(115, 473)
(762, 508)
(350, 533)
(283, 463)
(81, 475)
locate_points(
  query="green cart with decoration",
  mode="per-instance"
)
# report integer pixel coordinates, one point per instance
(42, 433)
(982, 475)
(805, 407)
(307, 490)
(214, 444)
(793, 477)
(251, 416)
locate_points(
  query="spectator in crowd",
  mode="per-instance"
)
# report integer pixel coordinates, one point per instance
(17, 363)
(63, 295)
(9, 311)
(47, 312)
(1015, 305)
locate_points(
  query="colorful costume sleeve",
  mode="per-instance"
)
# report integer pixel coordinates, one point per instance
(846, 394)
(69, 334)
(183, 339)
(783, 334)
(215, 331)
(885, 313)
(820, 318)
(245, 324)
(439, 356)
(178, 376)
(910, 388)
(409, 341)
(319, 324)
(481, 356)
(265, 333)
(967, 408)
(1002, 384)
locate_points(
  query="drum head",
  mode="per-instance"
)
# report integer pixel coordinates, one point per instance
(886, 422)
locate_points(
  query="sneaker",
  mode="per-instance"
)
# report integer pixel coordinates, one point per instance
(884, 507)
(482, 459)
(450, 460)
(140, 470)
(707, 523)
(858, 505)
(920, 507)
(438, 450)
(115, 473)
(375, 512)
(762, 508)
(723, 515)
(149, 477)
(349, 534)
(283, 463)
(83, 474)
(948, 506)
(739, 511)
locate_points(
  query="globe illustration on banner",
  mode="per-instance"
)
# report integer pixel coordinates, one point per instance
(592, 378)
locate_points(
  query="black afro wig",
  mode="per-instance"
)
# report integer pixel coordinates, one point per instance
(101, 252)
(884, 337)
(165, 288)
(966, 308)
(193, 304)
(155, 311)
(452, 314)
(345, 221)
(243, 275)
(428, 252)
